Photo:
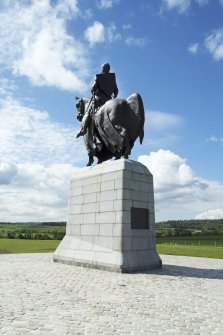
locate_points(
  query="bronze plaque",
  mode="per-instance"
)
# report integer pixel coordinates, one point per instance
(139, 218)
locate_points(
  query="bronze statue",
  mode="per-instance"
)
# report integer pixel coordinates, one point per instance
(110, 126)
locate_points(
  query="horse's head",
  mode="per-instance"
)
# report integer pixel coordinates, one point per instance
(80, 105)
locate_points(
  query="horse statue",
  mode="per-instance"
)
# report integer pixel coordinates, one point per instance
(113, 128)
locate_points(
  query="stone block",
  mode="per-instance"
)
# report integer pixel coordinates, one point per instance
(86, 244)
(117, 243)
(89, 229)
(103, 243)
(117, 230)
(74, 230)
(106, 217)
(140, 243)
(123, 194)
(93, 188)
(90, 197)
(75, 219)
(123, 217)
(106, 229)
(107, 185)
(90, 180)
(106, 206)
(77, 200)
(126, 230)
(76, 209)
(118, 205)
(106, 195)
(75, 190)
(89, 218)
(92, 207)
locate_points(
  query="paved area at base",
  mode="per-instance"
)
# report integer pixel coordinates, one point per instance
(38, 296)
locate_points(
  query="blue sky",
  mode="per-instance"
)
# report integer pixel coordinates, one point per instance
(170, 51)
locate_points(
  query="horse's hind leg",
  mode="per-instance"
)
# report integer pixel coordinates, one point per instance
(100, 161)
(127, 147)
(118, 155)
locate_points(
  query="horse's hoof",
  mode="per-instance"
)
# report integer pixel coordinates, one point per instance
(91, 161)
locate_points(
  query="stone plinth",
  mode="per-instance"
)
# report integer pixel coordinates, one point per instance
(111, 221)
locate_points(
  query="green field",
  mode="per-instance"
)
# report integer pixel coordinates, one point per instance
(190, 250)
(45, 237)
(197, 246)
(27, 246)
(210, 240)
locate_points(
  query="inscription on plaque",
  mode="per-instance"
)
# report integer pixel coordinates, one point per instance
(139, 218)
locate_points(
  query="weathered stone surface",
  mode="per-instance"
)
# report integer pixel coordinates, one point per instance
(100, 232)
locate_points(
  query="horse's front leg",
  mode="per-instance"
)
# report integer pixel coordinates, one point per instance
(90, 159)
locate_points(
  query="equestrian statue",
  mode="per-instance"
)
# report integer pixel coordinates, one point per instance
(109, 125)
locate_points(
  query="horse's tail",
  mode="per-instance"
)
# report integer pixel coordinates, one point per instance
(136, 104)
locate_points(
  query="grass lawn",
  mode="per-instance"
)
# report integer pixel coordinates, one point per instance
(190, 250)
(26, 246)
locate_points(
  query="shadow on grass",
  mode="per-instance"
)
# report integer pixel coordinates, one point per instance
(191, 272)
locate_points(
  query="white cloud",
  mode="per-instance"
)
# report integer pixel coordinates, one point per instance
(180, 5)
(157, 120)
(7, 172)
(179, 192)
(193, 48)
(88, 13)
(111, 34)
(34, 42)
(98, 33)
(95, 33)
(221, 2)
(161, 129)
(6, 86)
(202, 2)
(211, 214)
(106, 4)
(127, 26)
(35, 193)
(37, 158)
(215, 139)
(214, 44)
(136, 41)
(27, 134)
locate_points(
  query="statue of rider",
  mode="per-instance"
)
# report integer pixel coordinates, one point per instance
(103, 89)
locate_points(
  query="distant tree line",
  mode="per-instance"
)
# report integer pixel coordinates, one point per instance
(55, 224)
(56, 230)
(189, 228)
(29, 235)
(33, 231)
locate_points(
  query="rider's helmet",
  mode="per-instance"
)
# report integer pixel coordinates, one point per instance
(105, 68)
